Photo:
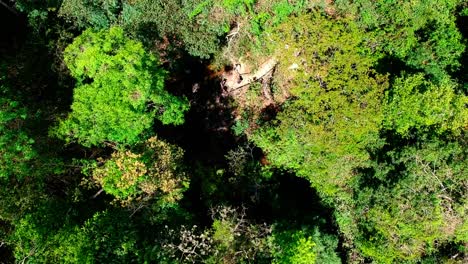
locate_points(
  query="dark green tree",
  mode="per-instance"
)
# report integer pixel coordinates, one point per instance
(422, 33)
(45, 236)
(185, 24)
(16, 147)
(413, 202)
(100, 14)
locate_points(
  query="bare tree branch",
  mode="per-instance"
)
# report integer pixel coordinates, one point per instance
(9, 8)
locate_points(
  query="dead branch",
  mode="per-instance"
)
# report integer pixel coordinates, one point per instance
(247, 79)
(9, 8)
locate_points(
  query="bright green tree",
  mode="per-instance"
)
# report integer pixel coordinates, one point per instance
(294, 248)
(303, 246)
(333, 117)
(334, 113)
(120, 89)
(416, 104)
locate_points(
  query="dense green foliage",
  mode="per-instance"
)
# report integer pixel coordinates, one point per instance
(234, 131)
(323, 133)
(415, 104)
(297, 247)
(422, 33)
(16, 146)
(95, 14)
(117, 80)
(163, 19)
(40, 238)
(423, 202)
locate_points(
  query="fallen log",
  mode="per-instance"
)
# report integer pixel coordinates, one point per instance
(234, 81)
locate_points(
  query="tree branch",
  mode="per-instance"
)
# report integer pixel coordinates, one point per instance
(9, 8)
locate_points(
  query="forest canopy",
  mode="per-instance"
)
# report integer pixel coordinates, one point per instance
(234, 131)
(119, 90)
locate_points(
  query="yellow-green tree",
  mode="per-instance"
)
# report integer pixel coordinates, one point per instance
(334, 112)
(153, 168)
(414, 104)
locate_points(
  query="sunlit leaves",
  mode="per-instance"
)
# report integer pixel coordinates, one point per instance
(419, 105)
(153, 168)
(120, 90)
(334, 114)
